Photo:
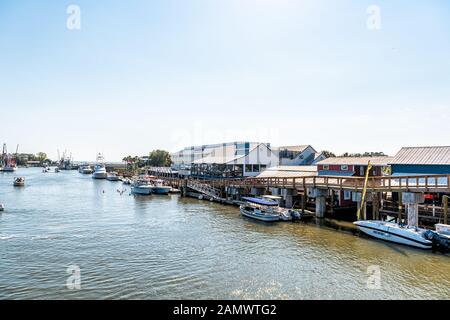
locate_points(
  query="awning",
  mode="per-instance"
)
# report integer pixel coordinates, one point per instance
(260, 201)
(336, 173)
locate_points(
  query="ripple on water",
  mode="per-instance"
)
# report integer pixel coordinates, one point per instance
(171, 247)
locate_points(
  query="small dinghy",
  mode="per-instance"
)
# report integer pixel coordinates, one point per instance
(19, 182)
(393, 232)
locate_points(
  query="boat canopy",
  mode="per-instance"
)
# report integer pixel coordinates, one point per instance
(260, 201)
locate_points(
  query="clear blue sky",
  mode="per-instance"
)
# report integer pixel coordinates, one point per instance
(142, 75)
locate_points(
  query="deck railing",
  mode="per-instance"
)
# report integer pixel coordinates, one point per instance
(419, 183)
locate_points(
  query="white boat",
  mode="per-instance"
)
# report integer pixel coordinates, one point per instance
(141, 187)
(2, 207)
(9, 168)
(100, 168)
(259, 209)
(19, 182)
(393, 232)
(86, 170)
(112, 177)
(99, 171)
(160, 188)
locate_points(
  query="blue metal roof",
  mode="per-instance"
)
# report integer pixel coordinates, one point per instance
(336, 173)
(260, 201)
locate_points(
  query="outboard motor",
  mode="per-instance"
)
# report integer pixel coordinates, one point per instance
(440, 243)
(295, 215)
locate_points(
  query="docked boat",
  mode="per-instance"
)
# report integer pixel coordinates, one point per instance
(260, 209)
(100, 168)
(19, 182)
(85, 170)
(160, 188)
(142, 188)
(112, 177)
(285, 213)
(393, 232)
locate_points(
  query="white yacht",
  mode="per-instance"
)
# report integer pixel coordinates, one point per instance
(393, 232)
(100, 169)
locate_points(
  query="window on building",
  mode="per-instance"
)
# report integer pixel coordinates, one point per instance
(248, 168)
(262, 167)
(347, 195)
(344, 167)
(326, 167)
(255, 168)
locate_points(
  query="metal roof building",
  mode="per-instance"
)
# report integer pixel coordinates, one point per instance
(421, 160)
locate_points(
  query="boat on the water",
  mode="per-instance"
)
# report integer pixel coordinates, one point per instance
(160, 188)
(8, 161)
(19, 182)
(2, 207)
(394, 232)
(259, 209)
(142, 188)
(112, 176)
(85, 170)
(100, 168)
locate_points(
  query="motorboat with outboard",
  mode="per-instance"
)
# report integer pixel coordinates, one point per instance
(394, 232)
(259, 209)
(160, 188)
(19, 182)
(141, 187)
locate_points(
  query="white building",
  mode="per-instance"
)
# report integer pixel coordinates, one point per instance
(226, 160)
(302, 155)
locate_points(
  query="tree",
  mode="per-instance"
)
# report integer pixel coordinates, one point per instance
(160, 158)
(41, 156)
(328, 154)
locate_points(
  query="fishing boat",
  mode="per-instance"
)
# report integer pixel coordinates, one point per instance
(65, 162)
(259, 209)
(112, 177)
(19, 182)
(160, 188)
(99, 168)
(142, 188)
(394, 232)
(8, 161)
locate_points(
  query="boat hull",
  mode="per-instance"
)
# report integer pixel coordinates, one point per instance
(393, 234)
(141, 191)
(99, 175)
(9, 169)
(161, 190)
(260, 217)
(113, 178)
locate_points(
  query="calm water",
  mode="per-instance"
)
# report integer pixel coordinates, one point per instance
(168, 247)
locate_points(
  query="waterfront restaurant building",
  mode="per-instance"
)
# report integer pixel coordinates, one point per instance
(226, 160)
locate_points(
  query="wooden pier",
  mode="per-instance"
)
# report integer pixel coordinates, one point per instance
(319, 187)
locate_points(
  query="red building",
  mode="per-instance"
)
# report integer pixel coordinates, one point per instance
(352, 167)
